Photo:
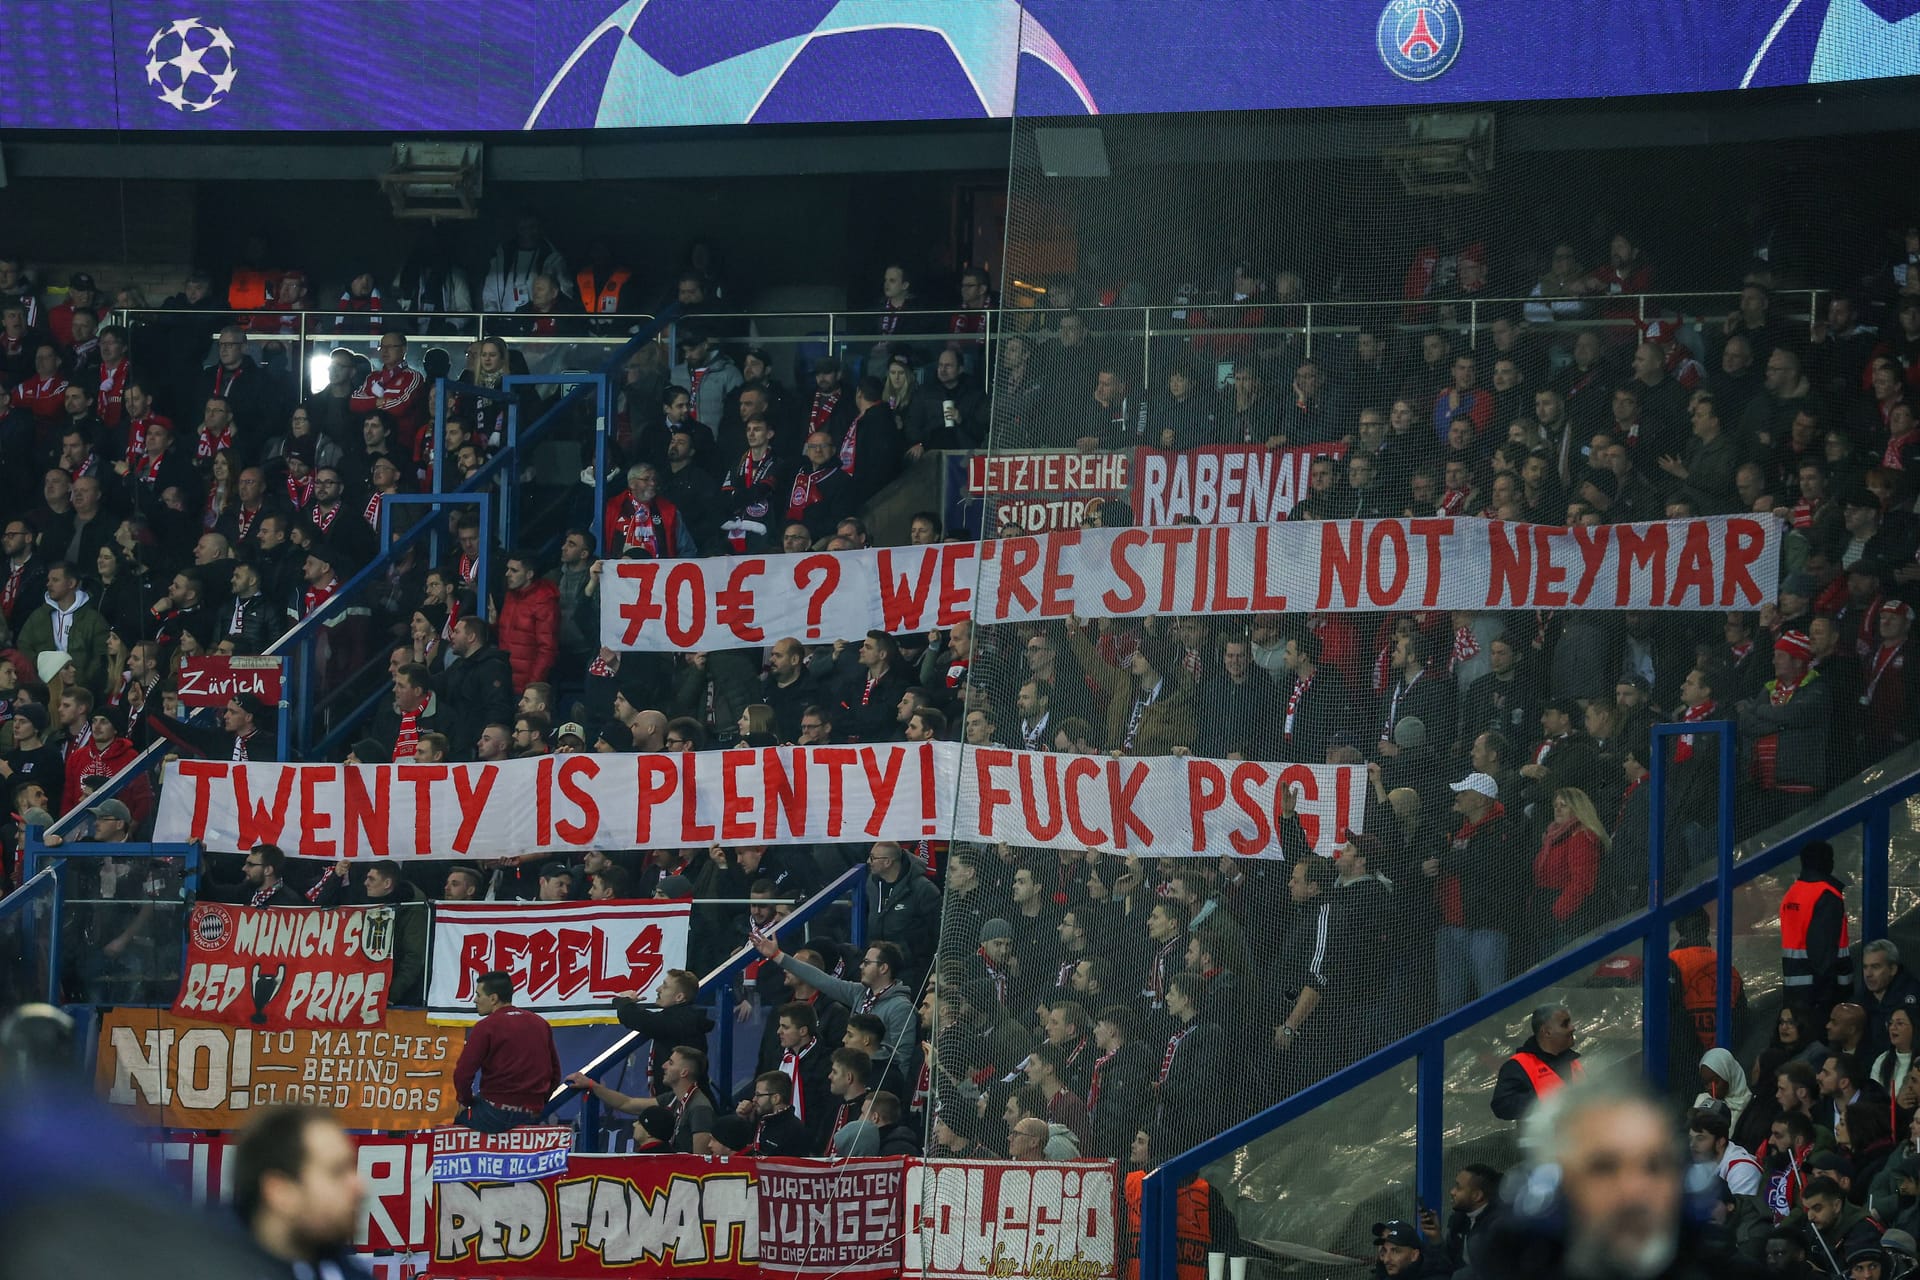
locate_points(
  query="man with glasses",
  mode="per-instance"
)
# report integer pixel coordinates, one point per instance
(816, 727)
(530, 735)
(327, 517)
(266, 884)
(878, 992)
(777, 1130)
(240, 380)
(23, 578)
(394, 389)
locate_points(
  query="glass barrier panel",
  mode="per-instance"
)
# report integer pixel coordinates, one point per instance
(1309, 1193)
(27, 942)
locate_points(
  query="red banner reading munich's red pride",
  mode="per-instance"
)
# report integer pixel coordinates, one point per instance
(1160, 805)
(287, 967)
(1441, 562)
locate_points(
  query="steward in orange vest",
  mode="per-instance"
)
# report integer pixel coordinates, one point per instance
(1196, 1230)
(1543, 1064)
(1694, 983)
(601, 283)
(1816, 960)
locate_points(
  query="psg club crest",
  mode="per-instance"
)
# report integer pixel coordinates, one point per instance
(1419, 39)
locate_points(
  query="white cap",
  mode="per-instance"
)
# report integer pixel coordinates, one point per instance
(1480, 782)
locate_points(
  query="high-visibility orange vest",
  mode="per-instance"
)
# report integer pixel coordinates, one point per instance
(603, 300)
(1193, 1227)
(249, 288)
(1697, 992)
(1541, 1076)
(1796, 917)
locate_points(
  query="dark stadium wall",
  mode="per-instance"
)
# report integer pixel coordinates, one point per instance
(96, 222)
(1347, 221)
(824, 230)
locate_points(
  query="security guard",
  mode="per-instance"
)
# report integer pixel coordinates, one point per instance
(1816, 961)
(1542, 1065)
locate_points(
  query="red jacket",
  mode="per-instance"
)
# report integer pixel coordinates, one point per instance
(402, 393)
(87, 761)
(530, 630)
(1568, 864)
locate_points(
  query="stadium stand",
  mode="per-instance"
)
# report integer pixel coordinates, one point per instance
(199, 478)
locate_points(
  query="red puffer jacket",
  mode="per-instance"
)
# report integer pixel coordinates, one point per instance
(530, 631)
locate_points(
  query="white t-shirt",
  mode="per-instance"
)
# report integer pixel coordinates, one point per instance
(1740, 1170)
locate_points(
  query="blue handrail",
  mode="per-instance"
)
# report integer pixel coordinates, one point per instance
(56, 857)
(23, 898)
(292, 647)
(1650, 928)
(720, 982)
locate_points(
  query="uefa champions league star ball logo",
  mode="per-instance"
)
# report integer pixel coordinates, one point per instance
(190, 65)
(978, 73)
(1419, 39)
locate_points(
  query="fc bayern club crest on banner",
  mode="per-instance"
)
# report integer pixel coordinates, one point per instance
(1419, 39)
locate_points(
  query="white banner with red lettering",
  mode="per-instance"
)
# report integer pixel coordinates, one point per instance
(1443, 562)
(396, 1209)
(568, 959)
(905, 792)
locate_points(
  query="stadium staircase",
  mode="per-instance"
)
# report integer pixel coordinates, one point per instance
(1872, 804)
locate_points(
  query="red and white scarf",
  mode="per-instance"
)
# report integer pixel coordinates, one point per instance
(805, 492)
(1300, 686)
(1173, 1047)
(848, 446)
(790, 1068)
(1683, 749)
(752, 471)
(313, 597)
(406, 740)
(1466, 647)
(1888, 657)
(10, 593)
(209, 444)
(821, 413)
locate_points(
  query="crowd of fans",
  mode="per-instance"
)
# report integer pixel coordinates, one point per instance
(165, 500)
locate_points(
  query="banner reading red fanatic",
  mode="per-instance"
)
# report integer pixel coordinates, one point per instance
(1160, 805)
(568, 959)
(282, 967)
(1442, 562)
(1222, 484)
(667, 1215)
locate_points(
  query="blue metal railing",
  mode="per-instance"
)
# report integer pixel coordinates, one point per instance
(59, 857)
(1649, 929)
(720, 983)
(344, 726)
(41, 887)
(296, 645)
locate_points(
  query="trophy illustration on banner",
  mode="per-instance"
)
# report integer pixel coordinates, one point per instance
(265, 986)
